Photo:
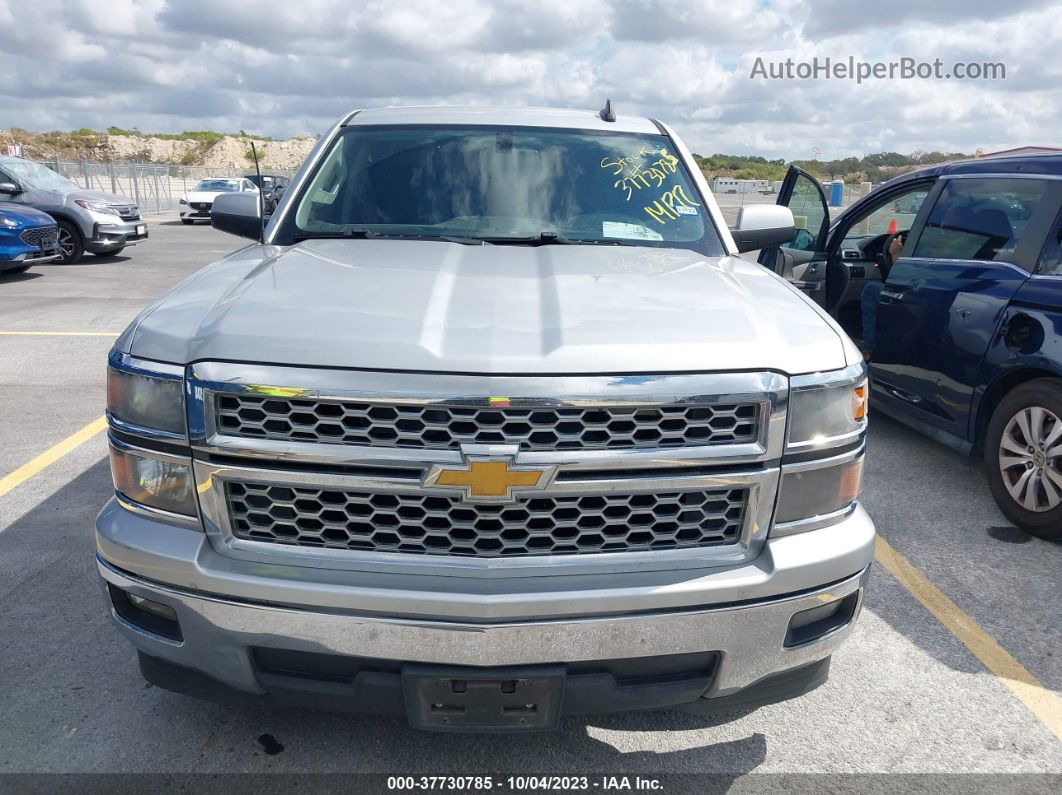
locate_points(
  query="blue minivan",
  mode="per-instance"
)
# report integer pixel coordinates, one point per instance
(964, 267)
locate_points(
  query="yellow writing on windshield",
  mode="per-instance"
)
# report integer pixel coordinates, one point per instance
(635, 172)
(671, 205)
(649, 168)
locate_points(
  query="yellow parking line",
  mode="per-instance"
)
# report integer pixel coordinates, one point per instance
(59, 333)
(51, 455)
(1041, 701)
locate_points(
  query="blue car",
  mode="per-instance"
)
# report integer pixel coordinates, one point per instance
(27, 237)
(952, 277)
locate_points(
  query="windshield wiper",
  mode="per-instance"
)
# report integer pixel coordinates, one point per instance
(369, 234)
(555, 239)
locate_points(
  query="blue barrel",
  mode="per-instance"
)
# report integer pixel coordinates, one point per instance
(837, 193)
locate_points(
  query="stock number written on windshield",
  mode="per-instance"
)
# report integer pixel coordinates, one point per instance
(637, 171)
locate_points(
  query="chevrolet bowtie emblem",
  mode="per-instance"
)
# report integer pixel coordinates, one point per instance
(489, 479)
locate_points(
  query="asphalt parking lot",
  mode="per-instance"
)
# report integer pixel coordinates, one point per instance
(906, 693)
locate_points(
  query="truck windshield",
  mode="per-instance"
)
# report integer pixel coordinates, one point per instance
(502, 184)
(37, 176)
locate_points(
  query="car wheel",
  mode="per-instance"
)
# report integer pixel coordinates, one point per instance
(1023, 454)
(112, 253)
(187, 221)
(71, 246)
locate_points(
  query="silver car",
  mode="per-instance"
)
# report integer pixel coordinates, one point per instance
(93, 221)
(491, 427)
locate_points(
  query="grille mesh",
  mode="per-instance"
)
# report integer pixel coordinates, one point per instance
(447, 427)
(43, 237)
(434, 525)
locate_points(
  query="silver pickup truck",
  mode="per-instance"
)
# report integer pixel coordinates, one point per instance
(488, 426)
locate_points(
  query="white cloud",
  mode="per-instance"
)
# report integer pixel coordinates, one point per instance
(284, 68)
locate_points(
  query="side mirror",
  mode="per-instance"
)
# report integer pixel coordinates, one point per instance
(10, 188)
(763, 226)
(238, 214)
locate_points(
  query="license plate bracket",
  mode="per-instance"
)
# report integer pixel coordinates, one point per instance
(515, 699)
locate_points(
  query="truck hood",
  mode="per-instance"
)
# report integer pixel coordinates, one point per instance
(439, 306)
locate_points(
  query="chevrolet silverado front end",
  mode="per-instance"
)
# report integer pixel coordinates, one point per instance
(486, 472)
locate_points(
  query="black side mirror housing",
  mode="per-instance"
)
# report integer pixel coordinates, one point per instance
(238, 214)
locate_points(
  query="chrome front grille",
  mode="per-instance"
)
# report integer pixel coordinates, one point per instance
(446, 427)
(388, 471)
(43, 237)
(127, 212)
(436, 525)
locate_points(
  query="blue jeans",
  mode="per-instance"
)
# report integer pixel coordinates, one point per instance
(871, 294)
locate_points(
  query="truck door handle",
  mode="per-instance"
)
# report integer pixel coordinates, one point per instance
(811, 287)
(896, 295)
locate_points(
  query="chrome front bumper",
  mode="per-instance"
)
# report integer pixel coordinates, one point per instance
(742, 613)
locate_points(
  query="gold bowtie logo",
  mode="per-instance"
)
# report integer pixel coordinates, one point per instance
(489, 480)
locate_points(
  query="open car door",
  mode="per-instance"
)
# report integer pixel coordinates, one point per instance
(803, 262)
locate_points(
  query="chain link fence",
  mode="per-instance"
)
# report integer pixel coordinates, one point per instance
(155, 188)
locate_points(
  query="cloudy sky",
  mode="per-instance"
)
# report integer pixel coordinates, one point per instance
(292, 67)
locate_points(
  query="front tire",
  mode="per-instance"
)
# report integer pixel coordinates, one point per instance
(71, 245)
(1023, 456)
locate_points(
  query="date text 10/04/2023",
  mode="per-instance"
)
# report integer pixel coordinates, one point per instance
(637, 171)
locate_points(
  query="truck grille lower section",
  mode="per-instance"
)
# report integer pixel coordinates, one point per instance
(436, 525)
(447, 427)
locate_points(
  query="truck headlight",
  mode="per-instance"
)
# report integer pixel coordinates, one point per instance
(154, 479)
(827, 409)
(145, 407)
(146, 395)
(817, 493)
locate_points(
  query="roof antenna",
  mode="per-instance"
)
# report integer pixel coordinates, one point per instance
(261, 202)
(606, 113)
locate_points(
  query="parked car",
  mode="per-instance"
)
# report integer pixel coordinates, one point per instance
(272, 187)
(502, 432)
(968, 343)
(27, 237)
(93, 221)
(195, 205)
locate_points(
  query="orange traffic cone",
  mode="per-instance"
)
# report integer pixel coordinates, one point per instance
(892, 227)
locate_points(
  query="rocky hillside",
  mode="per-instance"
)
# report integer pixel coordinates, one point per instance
(207, 148)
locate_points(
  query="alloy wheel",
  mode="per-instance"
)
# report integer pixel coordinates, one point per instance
(66, 244)
(1030, 459)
